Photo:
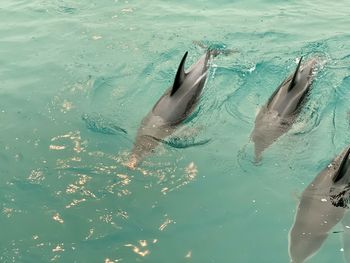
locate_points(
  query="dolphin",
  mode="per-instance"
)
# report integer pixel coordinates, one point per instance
(322, 205)
(277, 116)
(176, 104)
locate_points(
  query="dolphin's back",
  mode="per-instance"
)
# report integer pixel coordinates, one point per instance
(290, 94)
(176, 107)
(172, 108)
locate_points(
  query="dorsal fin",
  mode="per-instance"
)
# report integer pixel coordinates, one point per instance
(342, 167)
(180, 75)
(292, 83)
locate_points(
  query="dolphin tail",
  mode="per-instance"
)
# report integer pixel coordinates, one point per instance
(214, 52)
(215, 49)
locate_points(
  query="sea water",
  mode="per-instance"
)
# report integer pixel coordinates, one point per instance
(76, 79)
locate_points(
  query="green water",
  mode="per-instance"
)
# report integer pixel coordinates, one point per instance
(77, 77)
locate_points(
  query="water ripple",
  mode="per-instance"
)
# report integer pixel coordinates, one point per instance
(100, 124)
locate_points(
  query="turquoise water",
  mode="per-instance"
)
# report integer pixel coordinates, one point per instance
(76, 79)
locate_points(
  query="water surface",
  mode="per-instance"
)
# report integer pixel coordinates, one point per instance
(77, 77)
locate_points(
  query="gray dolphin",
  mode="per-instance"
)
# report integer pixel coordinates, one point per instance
(176, 104)
(278, 115)
(322, 205)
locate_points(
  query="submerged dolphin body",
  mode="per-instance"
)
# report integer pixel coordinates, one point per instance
(176, 104)
(278, 115)
(346, 237)
(322, 205)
